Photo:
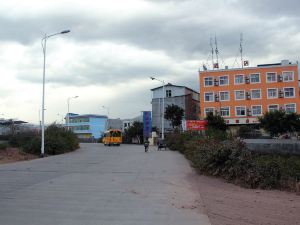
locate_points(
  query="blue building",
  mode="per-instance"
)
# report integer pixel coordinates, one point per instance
(87, 126)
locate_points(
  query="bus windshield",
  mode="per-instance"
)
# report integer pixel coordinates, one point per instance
(115, 134)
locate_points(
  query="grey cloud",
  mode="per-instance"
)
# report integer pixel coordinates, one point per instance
(93, 73)
(271, 8)
(181, 34)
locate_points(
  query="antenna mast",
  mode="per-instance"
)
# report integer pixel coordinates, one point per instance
(212, 52)
(217, 51)
(241, 49)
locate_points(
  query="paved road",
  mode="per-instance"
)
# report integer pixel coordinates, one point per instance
(100, 185)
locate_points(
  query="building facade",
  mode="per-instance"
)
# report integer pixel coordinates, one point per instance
(242, 95)
(182, 96)
(126, 123)
(87, 126)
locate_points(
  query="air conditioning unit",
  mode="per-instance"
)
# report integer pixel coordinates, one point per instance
(280, 94)
(248, 95)
(279, 78)
(247, 80)
(216, 82)
(216, 98)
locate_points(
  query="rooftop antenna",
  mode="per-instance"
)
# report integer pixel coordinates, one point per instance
(216, 51)
(212, 52)
(241, 49)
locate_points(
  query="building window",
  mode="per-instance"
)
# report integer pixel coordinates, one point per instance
(168, 93)
(288, 76)
(240, 110)
(272, 93)
(208, 81)
(224, 80)
(273, 108)
(239, 95)
(255, 94)
(83, 127)
(224, 95)
(271, 77)
(208, 110)
(254, 78)
(290, 108)
(225, 111)
(209, 97)
(289, 92)
(256, 110)
(239, 79)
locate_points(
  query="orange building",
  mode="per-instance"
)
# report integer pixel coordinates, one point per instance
(241, 95)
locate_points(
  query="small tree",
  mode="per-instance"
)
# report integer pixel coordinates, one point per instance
(215, 122)
(174, 114)
(279, 122)
(135, 131)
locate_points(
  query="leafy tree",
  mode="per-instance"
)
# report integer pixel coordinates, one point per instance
(135, 131)
(174, 114)
(216, 122)
(279, 122)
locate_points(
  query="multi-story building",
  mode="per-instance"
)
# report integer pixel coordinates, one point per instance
(181, 96)
(87, 126)
(241, 95)
(129, 122)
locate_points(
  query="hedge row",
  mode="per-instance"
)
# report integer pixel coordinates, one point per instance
(226, 157)
(58, 140)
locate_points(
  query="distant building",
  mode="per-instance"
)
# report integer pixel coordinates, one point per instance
(241, 95)
(115, 124)
(126, 123)
(87, 126)
(11, 126)
(182, 96)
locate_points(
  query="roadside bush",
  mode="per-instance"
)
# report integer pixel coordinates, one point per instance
(231, 160)
(58, 140)
(3, 146)
(248, 131)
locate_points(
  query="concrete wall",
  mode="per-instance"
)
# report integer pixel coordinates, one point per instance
(176, 91)
(157, 110)
(281, 146)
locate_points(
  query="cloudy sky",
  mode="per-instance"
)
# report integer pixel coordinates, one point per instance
(114, 46)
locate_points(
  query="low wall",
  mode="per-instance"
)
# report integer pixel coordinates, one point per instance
(280, 146)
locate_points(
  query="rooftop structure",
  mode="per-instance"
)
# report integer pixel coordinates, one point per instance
(241, 95)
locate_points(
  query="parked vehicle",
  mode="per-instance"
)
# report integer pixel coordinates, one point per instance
(112, 137)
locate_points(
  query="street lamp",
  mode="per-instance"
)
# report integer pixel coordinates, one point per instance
(44, 41)
(107, 115)
(163, 106)
(68, 115)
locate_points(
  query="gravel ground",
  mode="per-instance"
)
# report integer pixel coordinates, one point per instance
(13, 154)
(228, 204)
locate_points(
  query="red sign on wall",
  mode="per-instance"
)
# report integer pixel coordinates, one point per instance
(196, 124)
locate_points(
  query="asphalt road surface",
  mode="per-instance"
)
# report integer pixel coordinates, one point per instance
(100, 185)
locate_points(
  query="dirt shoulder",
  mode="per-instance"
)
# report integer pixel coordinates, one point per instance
(13, 155)
(228, 204)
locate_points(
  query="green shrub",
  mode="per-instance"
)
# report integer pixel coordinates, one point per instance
(58, 140)
(3, 146)
(231, 160)
(248, 131)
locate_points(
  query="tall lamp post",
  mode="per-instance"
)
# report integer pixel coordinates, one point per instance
(44, 42)
(163, 106)
(107, 115)
(68, 115)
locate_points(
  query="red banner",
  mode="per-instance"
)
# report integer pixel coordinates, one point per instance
(196, 124)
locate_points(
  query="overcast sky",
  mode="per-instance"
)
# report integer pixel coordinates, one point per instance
(114, 46)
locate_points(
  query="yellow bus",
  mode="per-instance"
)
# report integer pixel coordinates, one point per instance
(112, 137)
